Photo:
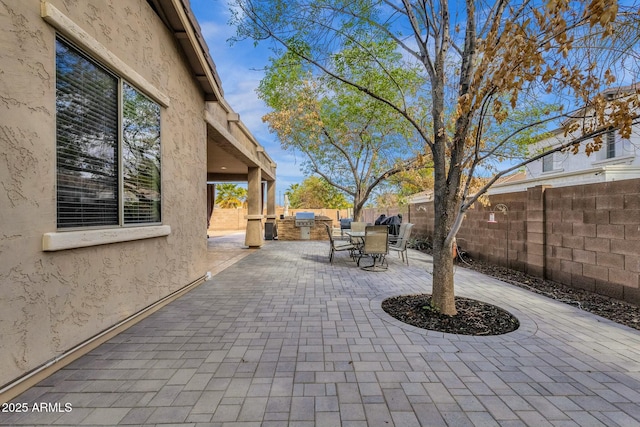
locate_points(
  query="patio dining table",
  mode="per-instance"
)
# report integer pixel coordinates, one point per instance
(357, 240)
(356, 237)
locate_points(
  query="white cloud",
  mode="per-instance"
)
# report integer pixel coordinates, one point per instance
(213, 31)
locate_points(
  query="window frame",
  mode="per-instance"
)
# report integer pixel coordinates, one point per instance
(75, 34)
(611, 145)
(123, 181)
(615, 150)
(552, 161)
(548, 163)
(121, 82)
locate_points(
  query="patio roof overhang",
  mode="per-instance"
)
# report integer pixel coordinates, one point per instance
(178, 17)
(231, 149)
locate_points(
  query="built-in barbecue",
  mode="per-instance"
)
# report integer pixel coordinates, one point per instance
(305, 221)
(303, 226)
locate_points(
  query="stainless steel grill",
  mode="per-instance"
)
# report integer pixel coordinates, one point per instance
(305, 219)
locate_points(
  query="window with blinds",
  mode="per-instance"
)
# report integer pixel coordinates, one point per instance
(108, 152)
(611, 144)
(140, 157)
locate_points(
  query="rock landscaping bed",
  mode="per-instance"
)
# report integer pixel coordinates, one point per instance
(618, 311)
(473, 318)
(478, 318)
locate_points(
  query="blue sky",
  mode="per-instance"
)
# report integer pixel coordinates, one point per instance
(239, 67)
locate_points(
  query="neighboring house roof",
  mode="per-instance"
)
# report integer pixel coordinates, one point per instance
(564, 169)
(427, 195)
(581, 113)
(611, 169)
(634, 87)
(514, 177)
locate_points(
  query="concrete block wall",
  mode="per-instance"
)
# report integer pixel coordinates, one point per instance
(228, 219)
(503, 242)
(421, 215)
(587, 236)
(371, 214)
(235, 219)
(593, 238)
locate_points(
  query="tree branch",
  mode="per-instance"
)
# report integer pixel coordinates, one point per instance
(598, 132)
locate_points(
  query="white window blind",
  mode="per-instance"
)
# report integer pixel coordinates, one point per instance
(547, 163)
(108, 152)
(87, 141)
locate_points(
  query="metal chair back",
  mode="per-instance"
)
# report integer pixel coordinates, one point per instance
(376, 240)
(358, 226)
(333, 247)
(395, 238)
(401, 245)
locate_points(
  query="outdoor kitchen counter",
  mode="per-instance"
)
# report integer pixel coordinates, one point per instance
(287, 229)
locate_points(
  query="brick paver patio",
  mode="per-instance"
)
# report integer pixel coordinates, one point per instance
(283, 338)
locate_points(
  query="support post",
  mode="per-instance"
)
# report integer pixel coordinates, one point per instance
(253, 236)
(271, 231)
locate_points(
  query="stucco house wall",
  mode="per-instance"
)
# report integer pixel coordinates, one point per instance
(620, 162)
(51, 301)
(627, 155)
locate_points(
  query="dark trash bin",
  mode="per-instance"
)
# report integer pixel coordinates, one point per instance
(345, 224)
(270, 231)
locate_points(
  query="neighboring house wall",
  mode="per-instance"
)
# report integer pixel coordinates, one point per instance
(615, 151)
(51, 301)
(617, 159)
(584, 236)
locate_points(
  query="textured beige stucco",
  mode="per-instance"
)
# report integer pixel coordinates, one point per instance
(51, 301)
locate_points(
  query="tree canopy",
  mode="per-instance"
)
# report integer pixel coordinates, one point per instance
(315, 193)
(230, 196)
(480, 65)
(352, 141)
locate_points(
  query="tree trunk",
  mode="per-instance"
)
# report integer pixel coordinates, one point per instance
(444, 204)
(358, 205)
(443, 287)
(357, 211)
(443, 295)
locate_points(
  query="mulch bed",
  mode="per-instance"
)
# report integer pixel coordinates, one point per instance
(473, 318)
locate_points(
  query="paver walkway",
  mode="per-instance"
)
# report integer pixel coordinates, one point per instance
(284, 338)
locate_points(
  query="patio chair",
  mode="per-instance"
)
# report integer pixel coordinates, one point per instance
(358, 226)
(393, 238)
(376, 245)
(401, 245)
(337, 247)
